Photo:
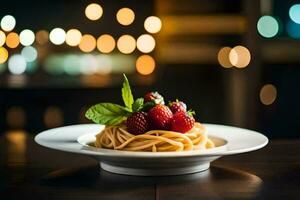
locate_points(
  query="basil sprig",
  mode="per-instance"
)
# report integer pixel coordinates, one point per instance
(107, 113)
(127, 94)
(114, 114)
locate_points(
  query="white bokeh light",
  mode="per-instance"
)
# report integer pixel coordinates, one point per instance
(27, 37)
(2, 38)
(57, 36)
(29, 53)
(152, 24)
(93, 11)
(88, 64)
(104, 64)
(8, 23)
(145, 43)
(17, 64)
(73, 37)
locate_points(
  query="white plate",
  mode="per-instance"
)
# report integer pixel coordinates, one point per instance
(229, 140)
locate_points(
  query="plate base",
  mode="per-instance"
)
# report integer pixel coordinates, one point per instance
(153, 172)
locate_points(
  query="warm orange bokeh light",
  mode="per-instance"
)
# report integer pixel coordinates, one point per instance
(240, 56)
(126, 44)
(223, 57)
(268, 94)
(42, 37)
(145, 65)
(125, 16)
(12, 40)
(88, 43)
(16, 117)
(16, 148)
(106, 43)
(53, 117)
(3, 55)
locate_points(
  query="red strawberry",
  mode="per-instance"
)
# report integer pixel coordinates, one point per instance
(154, 96)
(182, 122)
(137, 123)
(160, 117)
(177, 106)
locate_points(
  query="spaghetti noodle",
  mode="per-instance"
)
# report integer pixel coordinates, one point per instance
(116, 137)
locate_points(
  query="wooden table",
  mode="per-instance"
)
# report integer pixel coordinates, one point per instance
(28, 171)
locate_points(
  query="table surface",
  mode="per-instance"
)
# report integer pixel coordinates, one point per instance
(28, 171)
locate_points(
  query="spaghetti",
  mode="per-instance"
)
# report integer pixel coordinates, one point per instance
(116, 137)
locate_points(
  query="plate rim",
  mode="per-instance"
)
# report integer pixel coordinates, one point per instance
(114, 153)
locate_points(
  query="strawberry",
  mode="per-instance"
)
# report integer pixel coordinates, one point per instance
(137, 123)
(177, 106)
(160, 117)
(182, 122)
(154, 96)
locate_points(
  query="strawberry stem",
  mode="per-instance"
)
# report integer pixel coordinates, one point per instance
(191, 112)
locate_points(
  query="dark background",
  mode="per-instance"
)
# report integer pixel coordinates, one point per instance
(187, 67)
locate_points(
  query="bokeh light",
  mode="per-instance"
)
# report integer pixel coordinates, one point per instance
(106, 43)
(71, 65)
(223, 57)
(240, 56)
(73, 37)
(42, 37)
(125, 16)
(152, 24)
(57, 36)
(17, 64)
(145, 43)
(53, 64)
(105, 65)
(16, 117)
(12, 40)
(93, 11)
(267, 26)
(126, 44)
(17, 137)
(31, 67)
(2, 38)
(88, 64)
(16, 147)
(53, 117)
(3, 55)
(27, 37)
(29, 53)
(8, 23)
(268, 94)
(293, 29)
(145, 65)
(87, 43)
(294, 13)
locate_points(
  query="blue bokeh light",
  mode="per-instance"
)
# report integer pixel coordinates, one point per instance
(294, 13)
(267, 26)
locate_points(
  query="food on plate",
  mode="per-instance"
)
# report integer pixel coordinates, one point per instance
(147, 124)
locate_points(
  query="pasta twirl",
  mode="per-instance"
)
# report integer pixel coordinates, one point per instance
(116, 137)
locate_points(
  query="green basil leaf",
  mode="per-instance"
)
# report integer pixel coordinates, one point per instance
(107, 113)
(138, 104)
(127, 94)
